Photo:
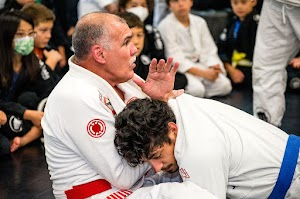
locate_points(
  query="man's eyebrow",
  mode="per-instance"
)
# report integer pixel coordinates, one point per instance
(154, 152)
(129, 37)
(152, 155)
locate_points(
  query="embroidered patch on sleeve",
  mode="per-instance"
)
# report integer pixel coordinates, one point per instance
(107, 103)
(96, 128)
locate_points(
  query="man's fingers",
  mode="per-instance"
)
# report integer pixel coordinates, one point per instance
(152, 67)
(168, 65)
(160, 66)
(175, 67)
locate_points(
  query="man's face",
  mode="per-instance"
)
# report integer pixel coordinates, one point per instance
(43, 34)
(180, 8)
(162, 157)
(138, 38)
(242, 7)
(120, 56)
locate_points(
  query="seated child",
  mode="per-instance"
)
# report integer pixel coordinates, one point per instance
(23, 83)
(187, 39)
(236, 43)
(43, 19)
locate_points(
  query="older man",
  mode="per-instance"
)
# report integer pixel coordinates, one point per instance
(80, 113)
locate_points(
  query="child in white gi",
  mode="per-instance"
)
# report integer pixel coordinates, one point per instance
(188, 40)
(220, 148)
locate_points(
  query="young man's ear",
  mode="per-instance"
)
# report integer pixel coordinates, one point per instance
(173, 130)
(98, 54)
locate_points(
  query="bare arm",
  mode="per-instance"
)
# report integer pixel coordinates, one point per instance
(34, 116)
(210, 74)
(236, 75)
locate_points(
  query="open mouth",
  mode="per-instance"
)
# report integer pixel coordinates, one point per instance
(132, 60)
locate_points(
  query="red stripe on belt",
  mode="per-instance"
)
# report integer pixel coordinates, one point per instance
(88, 189)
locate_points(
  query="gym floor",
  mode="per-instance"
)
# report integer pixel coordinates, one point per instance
(24, 174)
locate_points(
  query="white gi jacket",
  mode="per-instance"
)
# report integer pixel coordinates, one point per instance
(79, 131)
(79, 134)
(201, 51)
(194, 46)
(227, 151)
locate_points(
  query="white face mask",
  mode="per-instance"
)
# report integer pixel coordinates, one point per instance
(140, 11)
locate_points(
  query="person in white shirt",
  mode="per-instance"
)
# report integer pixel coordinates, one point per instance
(188, 40)
(222, 149)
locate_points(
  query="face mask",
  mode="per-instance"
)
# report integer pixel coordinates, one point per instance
(140, 11)
(24, 45)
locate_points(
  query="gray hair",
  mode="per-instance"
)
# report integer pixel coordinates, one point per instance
(92, 29)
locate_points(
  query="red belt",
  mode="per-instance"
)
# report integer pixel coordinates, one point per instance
(88, 189)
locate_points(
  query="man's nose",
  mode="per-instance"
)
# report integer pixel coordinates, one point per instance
(133, 49)
(156, 164)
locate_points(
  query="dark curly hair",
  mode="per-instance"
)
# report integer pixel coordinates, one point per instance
(140, 127)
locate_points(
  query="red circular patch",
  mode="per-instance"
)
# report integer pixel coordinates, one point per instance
(96, 128)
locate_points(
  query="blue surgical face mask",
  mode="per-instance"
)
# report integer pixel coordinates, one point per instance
(140, 11)
(24, 45)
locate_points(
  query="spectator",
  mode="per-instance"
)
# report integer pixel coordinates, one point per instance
(236, 43)
(22, 83)
(187, 38)
(277, 42)
(43, 19)
(58, 37)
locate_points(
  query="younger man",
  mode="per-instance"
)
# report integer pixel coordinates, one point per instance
(220, 148)
(188, 40)
(236, 42)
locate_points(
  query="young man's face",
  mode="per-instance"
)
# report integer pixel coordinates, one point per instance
(162, 157)
(43, 34)
(138, 38)
(180, 8)
(242, 7)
